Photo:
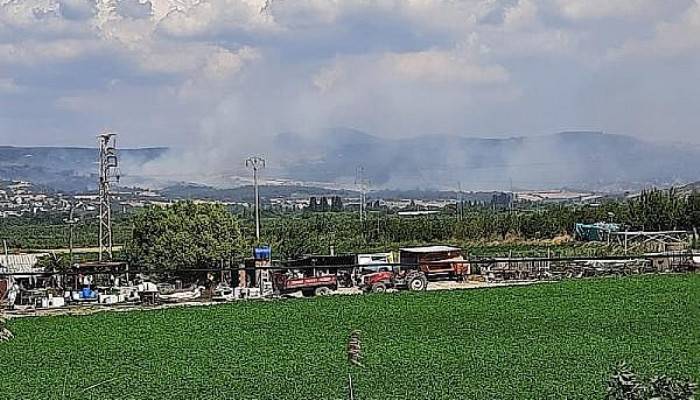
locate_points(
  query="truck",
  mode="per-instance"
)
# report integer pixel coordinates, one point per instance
(287, 283)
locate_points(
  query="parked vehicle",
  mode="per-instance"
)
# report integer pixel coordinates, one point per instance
(400, 279)
(287, 283)
(437, 262)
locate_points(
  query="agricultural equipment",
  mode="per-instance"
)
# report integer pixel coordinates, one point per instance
(437, 261)
(379, 282)
(285, 283)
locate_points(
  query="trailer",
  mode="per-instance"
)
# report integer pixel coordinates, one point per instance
(287, 283)
(437, 262)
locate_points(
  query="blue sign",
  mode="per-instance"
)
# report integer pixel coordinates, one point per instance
(262, 253)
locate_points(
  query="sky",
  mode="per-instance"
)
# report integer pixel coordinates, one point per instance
(227, 75)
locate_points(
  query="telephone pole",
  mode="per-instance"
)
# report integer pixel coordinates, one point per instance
(109, 173)
(256, 163)
(362, 184)
(71, 221)
(461, 201)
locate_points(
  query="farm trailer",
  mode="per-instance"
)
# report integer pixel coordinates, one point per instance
(322, 285)
(436, 262)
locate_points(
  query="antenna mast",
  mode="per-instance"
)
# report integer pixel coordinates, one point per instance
(109, 173)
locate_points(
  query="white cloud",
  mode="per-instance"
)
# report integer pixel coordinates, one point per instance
(192, 18)
(33, 52)
(671, 38)
(435, 66)
(207, 68)
(591, 9)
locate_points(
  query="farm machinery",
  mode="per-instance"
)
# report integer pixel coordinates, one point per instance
(379, 282)
(287, 283)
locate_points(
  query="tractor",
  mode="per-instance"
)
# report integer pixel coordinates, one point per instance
(379, 282)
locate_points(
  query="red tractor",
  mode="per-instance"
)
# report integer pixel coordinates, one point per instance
(379, 282)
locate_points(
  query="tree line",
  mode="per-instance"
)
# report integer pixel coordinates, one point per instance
(196, 235)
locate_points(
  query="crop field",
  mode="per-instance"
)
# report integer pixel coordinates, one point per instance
(555, 341)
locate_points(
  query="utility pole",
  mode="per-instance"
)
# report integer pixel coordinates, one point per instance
(256, 163)
(511, 197)
(362, 185)
(461, 201)
(71, 221)
(109, 173)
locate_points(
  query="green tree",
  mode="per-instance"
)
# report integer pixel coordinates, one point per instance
(185, 235)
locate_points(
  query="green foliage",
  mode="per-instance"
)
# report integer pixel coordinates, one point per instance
(625, 385)
(185, 235)
(549, 341)
(29, 233)
(54, 263)
(293, 234)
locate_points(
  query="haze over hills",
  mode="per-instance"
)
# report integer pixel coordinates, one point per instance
(582, 160)
(579, 160)
(65, 168)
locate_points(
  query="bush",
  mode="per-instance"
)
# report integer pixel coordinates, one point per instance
(626, 385)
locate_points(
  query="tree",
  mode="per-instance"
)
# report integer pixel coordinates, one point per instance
(185, 235)
(313, 204)
(53, 263)
(336, 204)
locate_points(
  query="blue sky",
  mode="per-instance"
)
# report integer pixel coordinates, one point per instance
(226, 74)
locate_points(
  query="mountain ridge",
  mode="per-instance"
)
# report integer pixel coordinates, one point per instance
(590, 160)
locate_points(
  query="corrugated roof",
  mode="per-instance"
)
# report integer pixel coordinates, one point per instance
(20, 263)
(430, 249)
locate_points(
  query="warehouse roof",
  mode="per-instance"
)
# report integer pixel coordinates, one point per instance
(430, 249)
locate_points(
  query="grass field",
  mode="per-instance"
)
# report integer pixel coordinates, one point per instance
(546, 341)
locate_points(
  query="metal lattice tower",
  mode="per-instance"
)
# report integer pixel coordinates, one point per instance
(256, 163)
(109, 173)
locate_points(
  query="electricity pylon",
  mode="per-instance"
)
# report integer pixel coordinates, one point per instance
(109, 174)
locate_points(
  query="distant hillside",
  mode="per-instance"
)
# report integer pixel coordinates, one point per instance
(64, 168)
(583, 160)
(578, 160)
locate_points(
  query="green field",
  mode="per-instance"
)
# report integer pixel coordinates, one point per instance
(553, 341)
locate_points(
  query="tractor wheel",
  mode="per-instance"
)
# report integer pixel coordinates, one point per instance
(418, 282)
(379, 288)
(322, 291)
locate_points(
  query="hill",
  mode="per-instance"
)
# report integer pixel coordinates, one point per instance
(64, 168)
(580, 160)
